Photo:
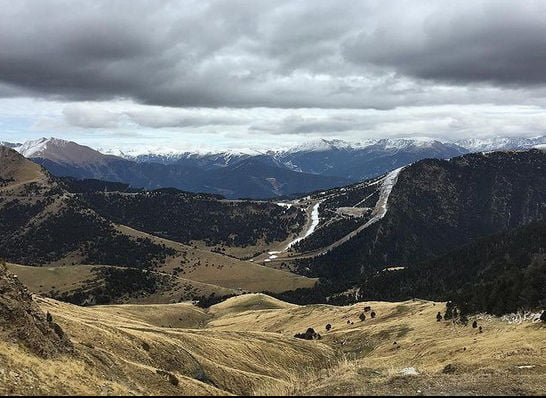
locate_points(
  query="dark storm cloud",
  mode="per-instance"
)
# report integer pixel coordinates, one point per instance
(273, 54)
(497, 42)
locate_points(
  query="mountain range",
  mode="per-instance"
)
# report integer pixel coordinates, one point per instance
(316, 165)
(410, 221)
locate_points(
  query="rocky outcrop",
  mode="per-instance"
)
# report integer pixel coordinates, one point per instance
(23, 322)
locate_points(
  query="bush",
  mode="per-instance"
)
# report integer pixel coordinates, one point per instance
(309, 334)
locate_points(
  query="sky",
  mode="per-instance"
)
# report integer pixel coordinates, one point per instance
(206, 74)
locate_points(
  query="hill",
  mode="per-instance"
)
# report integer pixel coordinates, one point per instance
(469, 229)
(436, 206)
(23, 322)
(46, 225)
(245, 346)
(498, 274)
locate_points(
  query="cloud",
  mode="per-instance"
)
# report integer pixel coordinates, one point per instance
(282, 54)
(90, 116)
(500, 42)
(167, 117)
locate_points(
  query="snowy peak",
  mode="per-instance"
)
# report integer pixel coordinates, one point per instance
(35, 148)
(322, 145)
(58, 150)
(500, 143)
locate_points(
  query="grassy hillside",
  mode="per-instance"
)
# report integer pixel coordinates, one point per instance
(246, 346)
(45, 225)
(88, 284)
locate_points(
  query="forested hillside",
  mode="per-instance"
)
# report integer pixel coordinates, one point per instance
(501, 273)
(437, 206)
(185, 217)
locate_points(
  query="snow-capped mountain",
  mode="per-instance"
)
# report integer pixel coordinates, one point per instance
(228, 174)
(358, 161)
(323, 145)
(500, 143)
(62, 151)
(12, 145)
(236, 173)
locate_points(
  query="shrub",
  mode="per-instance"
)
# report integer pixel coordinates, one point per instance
(309, 334)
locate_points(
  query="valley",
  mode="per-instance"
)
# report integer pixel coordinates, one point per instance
(342, 291)
(245, 346)
(288, 198)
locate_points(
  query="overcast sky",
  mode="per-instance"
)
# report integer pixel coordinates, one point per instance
(239, 74)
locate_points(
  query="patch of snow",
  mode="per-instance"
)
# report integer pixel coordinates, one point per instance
(411, 371)
(314, 222)
(393, 269)
(34, 148)
(388, 183)
(489, 144)
(287, 205)
(322, 145)
(518, 318)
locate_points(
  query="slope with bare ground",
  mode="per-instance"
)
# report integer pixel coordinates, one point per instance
(82, 283)
(45, 225)
(213, 268)
(245, 345)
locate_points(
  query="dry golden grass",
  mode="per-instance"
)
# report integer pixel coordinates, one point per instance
(245, 345)
(13, 166)
(41, 280)
(216, 269)
(66, 279)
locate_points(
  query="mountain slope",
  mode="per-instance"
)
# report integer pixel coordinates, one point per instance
(45, 225)
(498, 274)
(355, 161)
(262, 178)
(22, 321)
(245, 346)
(367, 161)
(437, 206)
(257, 175)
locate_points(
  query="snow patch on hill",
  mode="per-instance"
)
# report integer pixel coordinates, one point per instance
(381, 206)
(314, 223)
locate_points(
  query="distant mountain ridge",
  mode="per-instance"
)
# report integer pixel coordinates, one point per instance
(9, 144)
(353, 160)
(243, 177)
(318, 164)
